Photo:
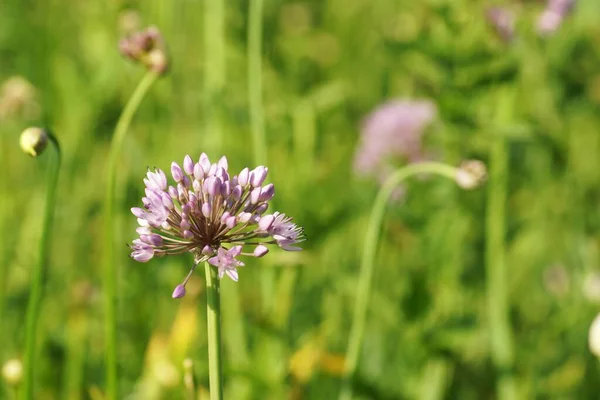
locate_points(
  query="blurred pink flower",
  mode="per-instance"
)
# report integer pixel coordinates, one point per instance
(503, 21)
(393, 132)
(551, 18)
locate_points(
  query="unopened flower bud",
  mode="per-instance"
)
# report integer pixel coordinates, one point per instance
(179, 291)
(260, 250)
(471, 174)
(33, 141)
(594, 337)
(12, 371)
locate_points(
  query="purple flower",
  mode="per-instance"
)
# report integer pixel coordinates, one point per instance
(148, 48)
(503, 21)
(211, 215)
(226, 262)
(393, 131)
(551, 18)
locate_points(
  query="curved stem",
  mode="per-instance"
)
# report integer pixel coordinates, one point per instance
(255, 80)
(363, 290)
(213, 324)
(109, 267)
(37, 278)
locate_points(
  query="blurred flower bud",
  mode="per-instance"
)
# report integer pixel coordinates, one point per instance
(591, 287)
(471, 174)
(12, 371)
(33, 141)
(18, 99)
(129, 21)
(594, 337)
(556, 280)
(148, 48)
(503, 22)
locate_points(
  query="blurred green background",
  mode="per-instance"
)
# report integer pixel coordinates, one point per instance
(326, 64)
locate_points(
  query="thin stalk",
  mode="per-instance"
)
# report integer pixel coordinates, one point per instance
(213, 324)
(255, 81)
(437, 374)
(109, 267)
(502, 347)
(38, 273)
(367, 264)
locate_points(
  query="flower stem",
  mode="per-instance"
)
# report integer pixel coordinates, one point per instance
(255, 81)
(213, 323)
(367, 264)
(37, 278)
(502, 348)
(109, 267)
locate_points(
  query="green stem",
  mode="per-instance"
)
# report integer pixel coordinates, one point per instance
(37, 278)
(109, 267)
(363, 290)
(255, 81)
(213, 324)
(502, 349)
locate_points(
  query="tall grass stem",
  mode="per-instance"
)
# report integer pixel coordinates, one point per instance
(38, 273)
(367, 264)
(255, 86)
(213, 324)
(502, 347)
(109, 265)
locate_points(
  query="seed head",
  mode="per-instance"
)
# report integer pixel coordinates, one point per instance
(33, 141)
(471, 174)
(210, 214)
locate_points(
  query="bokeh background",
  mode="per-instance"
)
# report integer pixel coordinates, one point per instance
(326, 65)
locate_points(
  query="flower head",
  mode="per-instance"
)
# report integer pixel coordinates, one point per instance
(146, 47)
(211, 215)
(393, 131)
(551, 18)
(503, 22)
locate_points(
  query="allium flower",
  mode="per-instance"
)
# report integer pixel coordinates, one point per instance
(503, 21)
(551, 18)
(211, 215)
(393, 131)
(146, 47)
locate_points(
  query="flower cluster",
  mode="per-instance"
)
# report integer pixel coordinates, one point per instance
(503, 22)
(503, 19)
(211, 215)
(393, 131)
(148, 48)
(556, 11)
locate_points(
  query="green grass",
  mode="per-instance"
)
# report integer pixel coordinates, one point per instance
(319, 69)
